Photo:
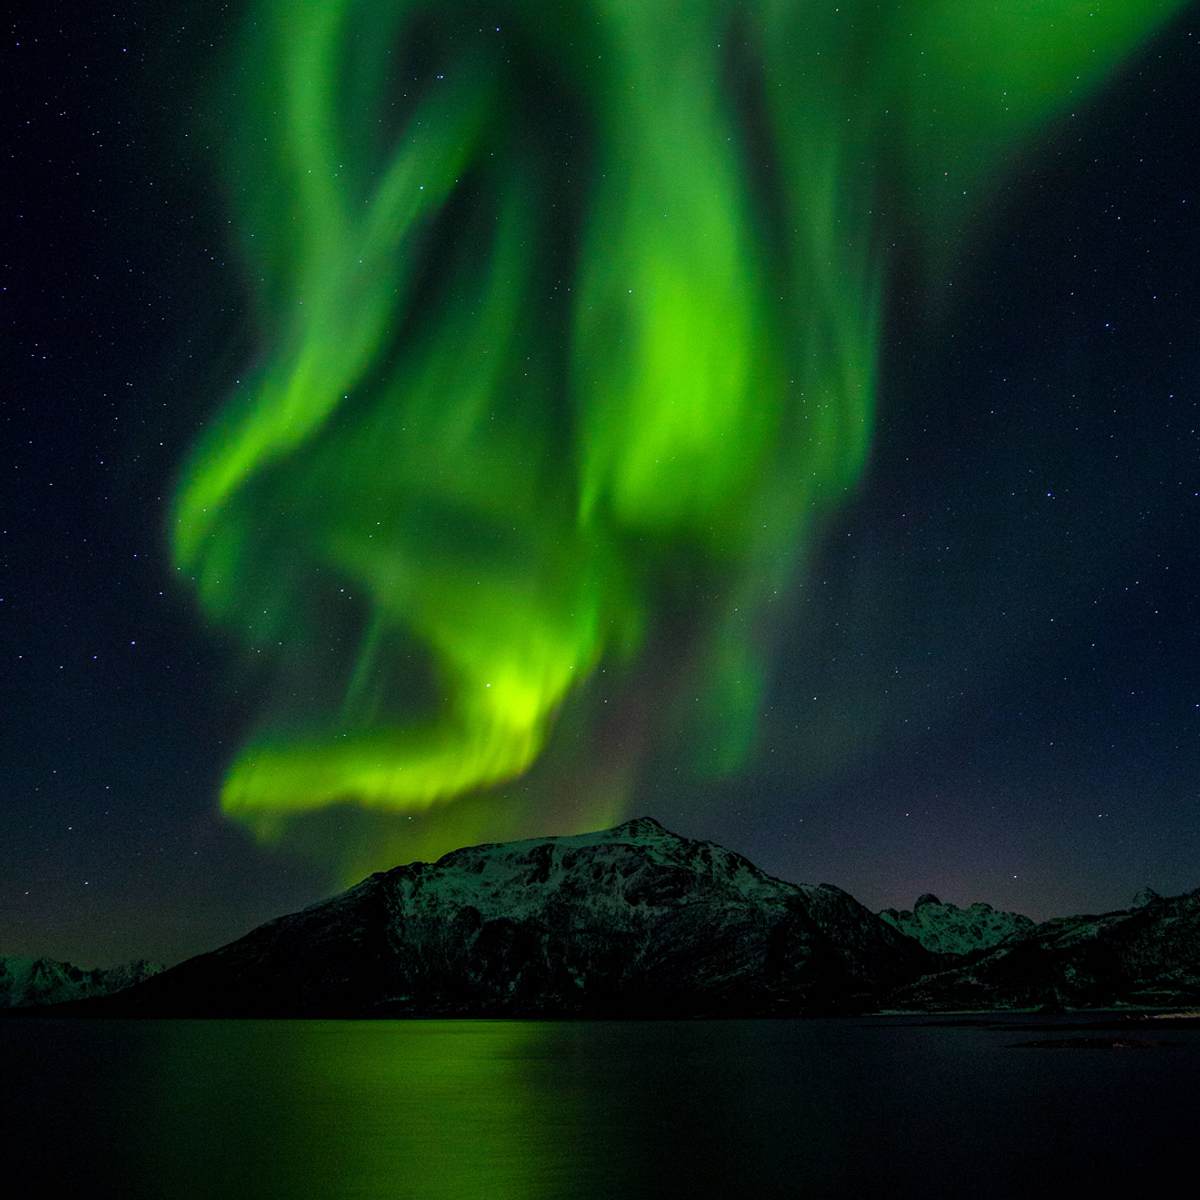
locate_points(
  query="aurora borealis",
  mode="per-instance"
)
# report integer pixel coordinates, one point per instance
(517, 466)
(490, 421)
(565, 361)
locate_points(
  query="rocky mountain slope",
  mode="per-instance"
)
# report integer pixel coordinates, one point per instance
(1146, 955)
(628, 921)
(945, 928)
(25, 982)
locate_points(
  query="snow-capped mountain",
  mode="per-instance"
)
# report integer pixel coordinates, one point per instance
(628, 921)
(1148, 955)
(25, 981)
(637, 921)
(945, 928)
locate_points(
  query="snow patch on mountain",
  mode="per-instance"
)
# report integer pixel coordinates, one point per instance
(607, 872)
(944, 928)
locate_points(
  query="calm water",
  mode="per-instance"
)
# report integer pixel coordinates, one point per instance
(528, 1110)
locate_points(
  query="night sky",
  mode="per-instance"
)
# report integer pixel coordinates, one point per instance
(984, 675)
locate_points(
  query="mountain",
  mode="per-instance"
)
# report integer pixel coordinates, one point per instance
(948, 929)
(638, 922)
(631, 921)
(1148, 955)
(25, 982)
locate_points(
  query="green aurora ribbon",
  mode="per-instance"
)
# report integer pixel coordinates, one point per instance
(568, 325)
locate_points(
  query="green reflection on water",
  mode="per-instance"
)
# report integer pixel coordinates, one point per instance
(295, 1110)
(430, 1109)
(357, 1109)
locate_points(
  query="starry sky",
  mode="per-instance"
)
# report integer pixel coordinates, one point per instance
(984, 678)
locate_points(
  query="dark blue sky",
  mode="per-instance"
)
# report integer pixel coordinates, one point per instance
(990, 684)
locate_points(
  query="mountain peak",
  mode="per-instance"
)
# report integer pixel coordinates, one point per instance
(641, 827)
(948, 929)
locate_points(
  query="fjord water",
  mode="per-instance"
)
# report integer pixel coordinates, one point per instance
(516, 1110)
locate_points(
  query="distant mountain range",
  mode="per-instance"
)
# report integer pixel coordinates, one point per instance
(948, 929)
(1147, 955)
(28, 981)
(637, 921)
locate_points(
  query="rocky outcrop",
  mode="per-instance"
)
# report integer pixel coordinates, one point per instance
(948, 929)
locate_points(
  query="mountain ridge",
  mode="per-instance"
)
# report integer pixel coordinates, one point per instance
(944, 928)
(28, 980)
(1145, 956)
(637, 921)
(633, 920)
